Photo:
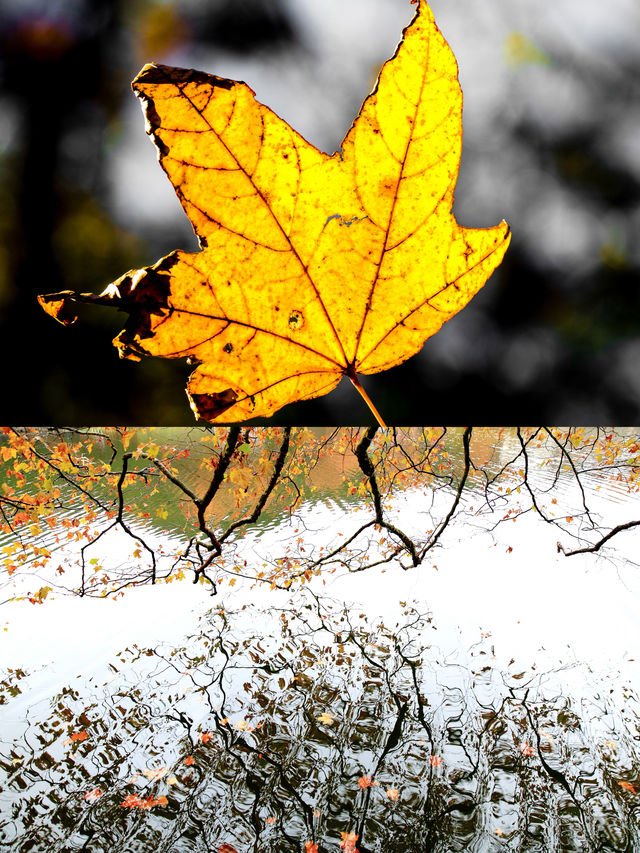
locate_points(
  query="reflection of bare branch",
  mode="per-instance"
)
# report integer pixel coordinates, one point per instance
(569, 459)
(368, 470)
(121, 522)
(596, 547)
(466, 440)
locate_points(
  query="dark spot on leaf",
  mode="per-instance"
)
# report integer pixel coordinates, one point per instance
(228, 348)
(209, 406)
(296, 320)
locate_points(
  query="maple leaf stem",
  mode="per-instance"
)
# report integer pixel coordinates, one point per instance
(356, 384)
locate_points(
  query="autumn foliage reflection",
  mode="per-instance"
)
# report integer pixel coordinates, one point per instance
(178, 504)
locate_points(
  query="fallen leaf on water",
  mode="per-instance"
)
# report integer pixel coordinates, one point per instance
(325, 718)
(76, 736)
(393, 794)
(154, 775)
(135, 802)
(93, 795)
(628, 786)
(364, 782)
(312, 267)
(348, 842)
(310, 847)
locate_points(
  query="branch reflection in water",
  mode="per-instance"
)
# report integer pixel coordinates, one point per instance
(308, 724)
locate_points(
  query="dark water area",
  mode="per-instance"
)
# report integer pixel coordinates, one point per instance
(312, 724)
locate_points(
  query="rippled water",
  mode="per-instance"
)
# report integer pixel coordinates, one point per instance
(264, 731)
(494, 689)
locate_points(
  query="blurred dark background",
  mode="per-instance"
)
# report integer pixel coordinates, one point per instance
(551, 144)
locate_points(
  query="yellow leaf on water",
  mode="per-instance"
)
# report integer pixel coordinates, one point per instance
(312, 267)
(154, 775)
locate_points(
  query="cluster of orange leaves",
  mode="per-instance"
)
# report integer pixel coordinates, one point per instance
(135, 802)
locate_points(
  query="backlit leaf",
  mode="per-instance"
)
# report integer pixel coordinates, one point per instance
(312, 267)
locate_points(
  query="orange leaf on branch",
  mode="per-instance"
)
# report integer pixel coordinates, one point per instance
(312, 267)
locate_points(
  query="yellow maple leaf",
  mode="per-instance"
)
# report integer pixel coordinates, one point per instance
(312, 267)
